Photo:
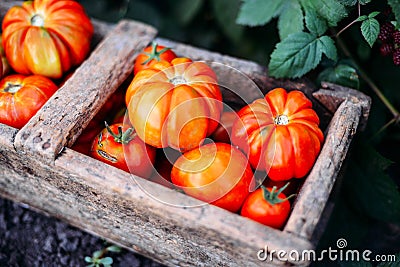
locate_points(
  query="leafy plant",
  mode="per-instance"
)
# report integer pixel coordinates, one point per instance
(98, 259)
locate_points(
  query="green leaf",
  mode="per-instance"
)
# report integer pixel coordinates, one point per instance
(341, 74)
(362, 18)
(97, 254)
(375, 193)
(348, 2)
(395, 5)
(298, 54)
(331, 11)
(315, 24)
(373, 14)
(328, 47)
(226, 19)
(370, 30)
(88, 259)
(106, 261)
(290, 19)
(395, 263)
(114, 248)
(258, 12)
(364, 2)
(91, 265)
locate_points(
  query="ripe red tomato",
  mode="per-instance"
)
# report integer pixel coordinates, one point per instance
(177, 106)
(84, 142)
(4, 67)
(22, 96)
(216, 173)
(119, 146)
(280, 134)
(46, 37)
(151, 55)
(223, 132)
(268, 206)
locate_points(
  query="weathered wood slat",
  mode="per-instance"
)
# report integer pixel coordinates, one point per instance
(62, 118)
(318, 185)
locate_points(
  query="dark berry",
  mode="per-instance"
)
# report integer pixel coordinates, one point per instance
(396, 37)
(396, 57)
(386, 49)
(385, 34)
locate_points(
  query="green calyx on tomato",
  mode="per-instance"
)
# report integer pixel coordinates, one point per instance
(154, 54)
(122, 137)
(12, 88)
(272, 197)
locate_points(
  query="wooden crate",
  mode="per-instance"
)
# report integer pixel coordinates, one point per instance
(39, 169)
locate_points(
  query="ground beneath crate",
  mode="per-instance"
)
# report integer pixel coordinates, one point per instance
(31, 239)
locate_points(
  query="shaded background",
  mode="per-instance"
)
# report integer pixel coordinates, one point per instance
(367, 210)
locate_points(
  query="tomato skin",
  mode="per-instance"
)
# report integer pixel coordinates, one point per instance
(258, 209)
(135, 156)
(46, 37)
(151, 55)
(17, 106)
(223, 132)
(84, 142)
(280, 134)
(4, 66)
(216, 173)
(174, 104)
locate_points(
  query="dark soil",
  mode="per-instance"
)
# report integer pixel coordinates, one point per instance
(31, 239)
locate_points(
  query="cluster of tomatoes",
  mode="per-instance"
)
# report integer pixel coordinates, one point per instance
(41, 42)
(171, 128)
(168, 124)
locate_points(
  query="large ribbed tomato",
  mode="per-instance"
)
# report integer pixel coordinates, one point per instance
(174, 104)
(22, 96)
(280, 134)
(46, 37)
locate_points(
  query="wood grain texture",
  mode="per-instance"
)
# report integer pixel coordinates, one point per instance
(316, 189)
(69, 110)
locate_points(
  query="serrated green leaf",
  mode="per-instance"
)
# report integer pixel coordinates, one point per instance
(362, 18)
(258, 12)
(328, 47)
(348, 2)
(373, 14)
(106, 261)
(341, 74)
(225, 12)
(375, 193)
(297, 54)
(315, 24)
(290, 19)
(395, 263)
(395, 5)
(331, 11)
(370, 30)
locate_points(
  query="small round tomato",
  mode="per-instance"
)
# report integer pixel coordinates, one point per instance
(151, 55)
(268, 206)
(119, 146)
(22, 96)
(223, 132)
(216, 173)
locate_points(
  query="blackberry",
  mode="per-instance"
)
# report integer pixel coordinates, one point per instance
(386, 49)
(386, 32)
(396, 37)
(396, 57)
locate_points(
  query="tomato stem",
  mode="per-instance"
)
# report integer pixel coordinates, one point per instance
(154, 53)
(122, 137)
(12, 88)
(37, 20)
(272, 197)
